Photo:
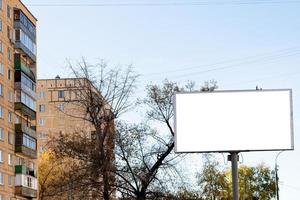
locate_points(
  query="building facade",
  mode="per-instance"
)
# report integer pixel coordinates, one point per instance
(56, 111)
(18, 141)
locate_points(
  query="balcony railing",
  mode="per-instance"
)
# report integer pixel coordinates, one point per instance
(21, 46)
(20, 147)
(24, 88)
(26, 151)
(22, 128)
(25, 110)
(19, 25)
(24, 68)
(25, 191)
(26, 185)
(21, 169)
(19, 16)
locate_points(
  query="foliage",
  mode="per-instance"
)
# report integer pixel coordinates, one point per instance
(52, 171)
(254, 182)
(213, 181)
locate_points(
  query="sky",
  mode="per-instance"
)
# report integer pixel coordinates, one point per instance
(238, 45)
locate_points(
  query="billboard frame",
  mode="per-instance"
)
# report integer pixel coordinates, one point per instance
(236, 91)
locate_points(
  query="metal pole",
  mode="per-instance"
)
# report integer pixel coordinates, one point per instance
(277, 179)
(234, 169)
(276, 175)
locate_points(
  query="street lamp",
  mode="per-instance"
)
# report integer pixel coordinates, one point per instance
(276, 175)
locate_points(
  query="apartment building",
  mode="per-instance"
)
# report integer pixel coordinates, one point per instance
(56, 111)
(18, 149)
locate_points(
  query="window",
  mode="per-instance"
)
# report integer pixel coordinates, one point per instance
(9, 33)
(8, 54)
(10, 159)
(29, 182)
(10, 138)
(20, 16)
(42, 108)
(10, 96)
(8, 12)
(61, 94)
(42, 94)
(61, 107)
(18, 120)
(29, 142)
(31, 165)
(1, 156)
(10, 116)
(43, 135)
(10, 180)
(1, 196)
(20, 161)
(1, 47)
(25, 39)
(28, 82)
(8, 74)
(25, 99)
(1, 25)
(1, 68)
(41, 122)
(1, 112)
(1, 133)
(1, 89)
(0, 9)
(42, 149)
(1, 178)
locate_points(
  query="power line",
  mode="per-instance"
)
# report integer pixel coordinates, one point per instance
(290, 186)
(231, 61)
(266, 59)
(151, 4)
(237, 65)
(271, 76)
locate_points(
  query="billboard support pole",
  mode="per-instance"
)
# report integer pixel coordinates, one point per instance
(234, 169)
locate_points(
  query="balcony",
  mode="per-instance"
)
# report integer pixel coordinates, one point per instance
(25, 145)
(25, 110)
(26, 151)
(21, 169)
(22, 128)
(24, 68)
(24, 88)
(25, 185)
(19, 45)
(20, 19)
(19, 25)
(25, 191)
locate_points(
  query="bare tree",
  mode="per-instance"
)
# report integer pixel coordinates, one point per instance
(100, 95)
(145, 158)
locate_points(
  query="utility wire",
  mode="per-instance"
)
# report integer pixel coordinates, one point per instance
(274, 76)
(290, 186)
(231, 66)
(149, 4)
(248, 58)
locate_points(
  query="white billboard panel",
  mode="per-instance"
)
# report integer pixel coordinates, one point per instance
(226, 121)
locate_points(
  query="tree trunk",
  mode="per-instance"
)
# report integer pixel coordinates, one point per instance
(141, 196)
(106, 186)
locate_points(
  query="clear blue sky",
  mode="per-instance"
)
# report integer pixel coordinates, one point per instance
(240, 46)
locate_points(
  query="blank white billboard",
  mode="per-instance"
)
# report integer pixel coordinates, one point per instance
(226, 121)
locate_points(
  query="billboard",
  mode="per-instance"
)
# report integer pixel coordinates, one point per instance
(227, 121)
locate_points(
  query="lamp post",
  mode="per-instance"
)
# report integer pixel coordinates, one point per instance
(276, 175)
